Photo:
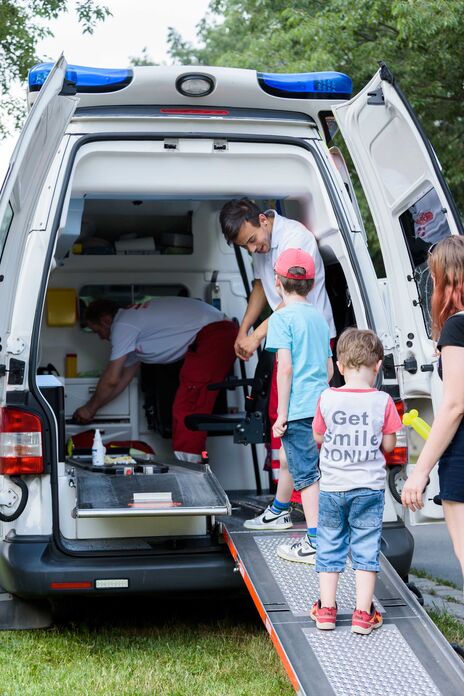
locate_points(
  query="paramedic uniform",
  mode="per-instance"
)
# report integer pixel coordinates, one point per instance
(289, 234)
(171, 328)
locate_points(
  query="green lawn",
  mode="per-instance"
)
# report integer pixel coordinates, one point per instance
(199, 654)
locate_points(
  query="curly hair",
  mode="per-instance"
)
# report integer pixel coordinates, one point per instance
(358, 347)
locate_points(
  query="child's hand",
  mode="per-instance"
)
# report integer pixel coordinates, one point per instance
(280, 426)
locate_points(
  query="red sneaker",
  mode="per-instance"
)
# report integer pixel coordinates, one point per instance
(324, 617)
(363, 622)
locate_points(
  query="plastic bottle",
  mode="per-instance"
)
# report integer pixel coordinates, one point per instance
(98, 450)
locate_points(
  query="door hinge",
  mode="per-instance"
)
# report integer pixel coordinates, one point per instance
(3, 370)
(376, 98)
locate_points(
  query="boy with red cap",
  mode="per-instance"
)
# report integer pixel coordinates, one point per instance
(300, 335)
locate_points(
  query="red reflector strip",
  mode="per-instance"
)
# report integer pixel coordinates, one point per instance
(262, 612)
(202, 112)
(71, 585)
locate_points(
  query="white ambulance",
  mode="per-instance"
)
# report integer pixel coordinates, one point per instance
(114, 190)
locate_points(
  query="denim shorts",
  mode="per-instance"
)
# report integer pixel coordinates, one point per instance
(349, 520)
(302, 453)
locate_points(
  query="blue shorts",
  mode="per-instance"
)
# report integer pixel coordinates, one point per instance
(451, 468)
(349, 520)
(302, 453)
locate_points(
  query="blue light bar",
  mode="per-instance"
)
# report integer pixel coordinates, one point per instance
(90, 80)
(316, 85)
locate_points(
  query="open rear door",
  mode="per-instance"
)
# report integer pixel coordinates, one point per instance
(30, 162)
(412, 208)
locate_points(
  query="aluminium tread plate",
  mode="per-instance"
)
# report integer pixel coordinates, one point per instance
(407, 655)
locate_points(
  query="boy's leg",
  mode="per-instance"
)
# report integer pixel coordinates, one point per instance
(332, 550)
(365, 585)
(302, 459)
(365, 520)
(285, 484)
(276, 517)
(328, 588)
(310, 502)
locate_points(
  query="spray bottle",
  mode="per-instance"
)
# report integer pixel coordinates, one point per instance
(98, 450)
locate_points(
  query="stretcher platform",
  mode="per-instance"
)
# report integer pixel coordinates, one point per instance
(407, 655)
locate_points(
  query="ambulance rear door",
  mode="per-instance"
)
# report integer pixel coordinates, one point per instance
(24, 181)
(412, 209)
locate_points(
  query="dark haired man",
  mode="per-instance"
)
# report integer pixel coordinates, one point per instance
(266, 236)
(164, 331)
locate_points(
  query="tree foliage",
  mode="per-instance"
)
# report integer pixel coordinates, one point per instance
(23, 23)
(420, 40)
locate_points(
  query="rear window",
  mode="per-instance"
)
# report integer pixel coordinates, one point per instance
(5, 227)
(424, 224)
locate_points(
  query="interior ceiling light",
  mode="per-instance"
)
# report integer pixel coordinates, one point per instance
(195, 85)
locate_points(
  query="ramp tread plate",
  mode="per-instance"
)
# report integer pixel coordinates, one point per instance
(381, 664)
(407, 655)
(299, 582)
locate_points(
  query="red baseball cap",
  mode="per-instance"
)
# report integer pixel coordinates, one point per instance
(295, 257)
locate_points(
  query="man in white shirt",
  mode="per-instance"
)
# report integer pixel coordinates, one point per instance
(164, 331)
(266, 236)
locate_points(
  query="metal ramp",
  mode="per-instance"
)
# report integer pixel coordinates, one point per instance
(407, 655)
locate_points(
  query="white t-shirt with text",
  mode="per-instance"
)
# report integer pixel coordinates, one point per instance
(353, 422)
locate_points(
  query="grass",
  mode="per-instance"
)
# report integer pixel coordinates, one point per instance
(452, 628)
(194, 653)
(440, 581)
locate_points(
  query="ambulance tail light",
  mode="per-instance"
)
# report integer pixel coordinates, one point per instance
(399, 456)
(20, 442)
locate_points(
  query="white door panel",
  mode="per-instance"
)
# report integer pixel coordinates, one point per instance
(412, 208)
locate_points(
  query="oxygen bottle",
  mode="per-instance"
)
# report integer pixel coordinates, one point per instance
(98, 450)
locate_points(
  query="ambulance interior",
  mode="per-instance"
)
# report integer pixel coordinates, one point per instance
(151, 231)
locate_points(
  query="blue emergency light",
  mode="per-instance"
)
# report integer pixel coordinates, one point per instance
(316, 85)
(90, 80)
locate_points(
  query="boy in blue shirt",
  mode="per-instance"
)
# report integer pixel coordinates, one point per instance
(300, 335)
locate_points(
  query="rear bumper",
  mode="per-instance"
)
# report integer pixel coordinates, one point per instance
(28, 569)
(398, 546)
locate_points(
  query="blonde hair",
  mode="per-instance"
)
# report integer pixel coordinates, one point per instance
(446, 264)
(358, 347)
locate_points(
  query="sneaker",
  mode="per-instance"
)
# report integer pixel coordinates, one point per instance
(299, 550)
(324, 617)
(363, 622)
(269, 520)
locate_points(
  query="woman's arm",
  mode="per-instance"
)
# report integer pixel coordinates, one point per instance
(444, 427)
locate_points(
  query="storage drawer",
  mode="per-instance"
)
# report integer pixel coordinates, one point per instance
(78, 391)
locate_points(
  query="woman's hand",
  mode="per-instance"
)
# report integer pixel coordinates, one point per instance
(413, 489)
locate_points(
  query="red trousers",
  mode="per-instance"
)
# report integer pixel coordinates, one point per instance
(209, 359)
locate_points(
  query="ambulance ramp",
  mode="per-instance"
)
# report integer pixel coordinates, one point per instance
(407, 655)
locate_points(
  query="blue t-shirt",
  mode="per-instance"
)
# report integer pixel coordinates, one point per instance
(303, 330)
